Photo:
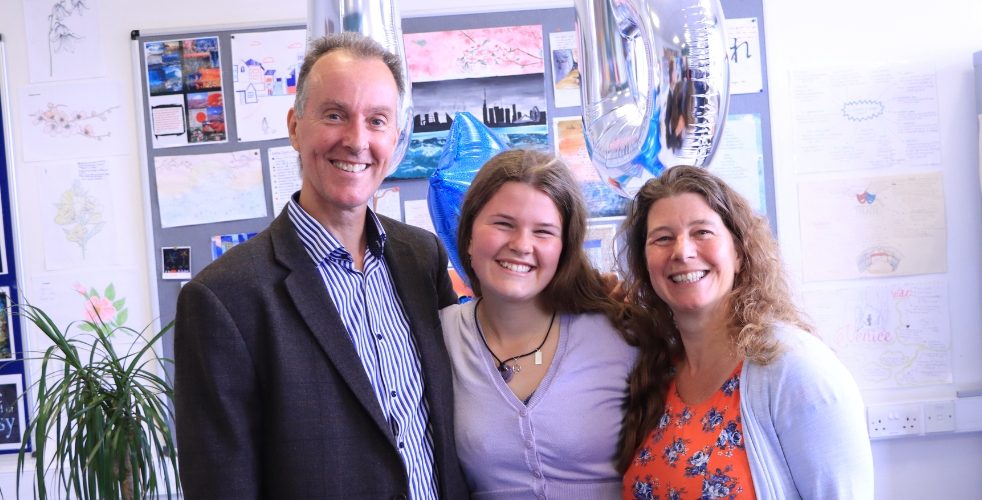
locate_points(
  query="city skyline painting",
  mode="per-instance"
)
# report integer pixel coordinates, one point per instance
(520, 99)
(496, 74)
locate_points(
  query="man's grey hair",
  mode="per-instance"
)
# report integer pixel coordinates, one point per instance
(355, 44)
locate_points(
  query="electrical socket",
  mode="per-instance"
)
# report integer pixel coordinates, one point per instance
(895, 420)
(939, 416)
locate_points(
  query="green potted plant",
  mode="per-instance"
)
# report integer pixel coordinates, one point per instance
(102, 417)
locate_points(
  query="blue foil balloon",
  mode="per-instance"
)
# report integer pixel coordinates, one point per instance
(469, 145)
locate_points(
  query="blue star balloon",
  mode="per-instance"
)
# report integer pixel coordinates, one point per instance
(469, 145)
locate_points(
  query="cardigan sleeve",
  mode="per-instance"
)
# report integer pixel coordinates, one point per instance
(818, 417)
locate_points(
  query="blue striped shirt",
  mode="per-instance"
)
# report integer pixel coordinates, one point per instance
(376, 322)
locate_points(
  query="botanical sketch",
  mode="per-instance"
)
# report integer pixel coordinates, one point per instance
(71, 121)
(103, 309)
(64, 39)
(77, 217)
(55, 120)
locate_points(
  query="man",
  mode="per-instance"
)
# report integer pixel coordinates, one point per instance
(310, 360)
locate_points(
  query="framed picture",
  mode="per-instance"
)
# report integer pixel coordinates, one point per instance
(8, 349)
(12, 415)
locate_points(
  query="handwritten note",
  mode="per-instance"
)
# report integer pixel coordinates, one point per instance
(743, 47)
(887, 336)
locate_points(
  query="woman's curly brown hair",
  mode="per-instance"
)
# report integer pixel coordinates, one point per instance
(760, 300)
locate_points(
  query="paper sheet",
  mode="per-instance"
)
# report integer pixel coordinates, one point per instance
(184, 82)
(865, 117)
(869, 227)
(565, 72)
(71, 121)
(743, 47)
(385, 201)
(418, 214)
(739, 159)
(265, 66)
(599, 245)
(601, 199)
(64, 40)
(111, 295)
(887, 336)
(284, 176)
(78, 218)
(201, 189)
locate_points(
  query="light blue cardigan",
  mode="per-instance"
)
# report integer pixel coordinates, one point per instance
(804, 424)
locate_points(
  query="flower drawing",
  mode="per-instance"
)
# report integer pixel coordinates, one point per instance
(103, 311)
(81, 212)
(54, 121)
(61, 38)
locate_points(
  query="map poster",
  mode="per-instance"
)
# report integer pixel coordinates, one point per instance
(887, 336)
(201, 189)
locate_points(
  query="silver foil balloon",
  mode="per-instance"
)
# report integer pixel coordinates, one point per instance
(380, 21)
(654, 79)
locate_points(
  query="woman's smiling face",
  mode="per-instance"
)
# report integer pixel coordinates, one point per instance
(692, 258)
(516, 242)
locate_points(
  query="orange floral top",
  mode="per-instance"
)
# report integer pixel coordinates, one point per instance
(695, 452)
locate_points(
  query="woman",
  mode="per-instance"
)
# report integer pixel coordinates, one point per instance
(540, 372)
(756, 405)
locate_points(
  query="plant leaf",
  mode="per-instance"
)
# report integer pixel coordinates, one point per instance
(122, 316)
(111, 292)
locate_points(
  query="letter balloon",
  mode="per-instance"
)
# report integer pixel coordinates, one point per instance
(654, 81)
(380, 21)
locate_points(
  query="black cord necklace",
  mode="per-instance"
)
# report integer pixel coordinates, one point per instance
(506, 371)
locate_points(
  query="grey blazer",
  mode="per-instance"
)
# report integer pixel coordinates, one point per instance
(271, 398)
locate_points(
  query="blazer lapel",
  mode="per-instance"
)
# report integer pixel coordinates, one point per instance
(309, 294)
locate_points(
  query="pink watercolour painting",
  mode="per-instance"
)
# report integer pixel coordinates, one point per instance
(477, 53)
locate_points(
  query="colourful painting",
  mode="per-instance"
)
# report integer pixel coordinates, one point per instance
(601, 200)
(496, 74)
(453, 55)
(184, 80)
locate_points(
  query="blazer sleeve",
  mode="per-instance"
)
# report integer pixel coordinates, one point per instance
(444, 286)
(820, 420)
(216, 401)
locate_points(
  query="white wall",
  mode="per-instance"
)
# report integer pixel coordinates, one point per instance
(798, 33)
(947, 32)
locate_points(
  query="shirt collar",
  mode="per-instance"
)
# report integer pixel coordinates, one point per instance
(321, 244)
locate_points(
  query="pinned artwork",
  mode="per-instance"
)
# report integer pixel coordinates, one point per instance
(265, 65)
(80, 120)
(64, 40)
(77, 214)
(176, 262)
(496, 74)
(184, 80)
(201, 189)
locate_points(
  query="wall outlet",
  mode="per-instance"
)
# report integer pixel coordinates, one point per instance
(895, 420)
(939, 416)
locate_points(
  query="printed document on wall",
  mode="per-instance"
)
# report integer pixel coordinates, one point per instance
(865, 117)
(739, 159)
(874, 226)
(887, 336)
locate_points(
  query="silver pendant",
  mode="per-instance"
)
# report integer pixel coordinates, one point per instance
(518, 366)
